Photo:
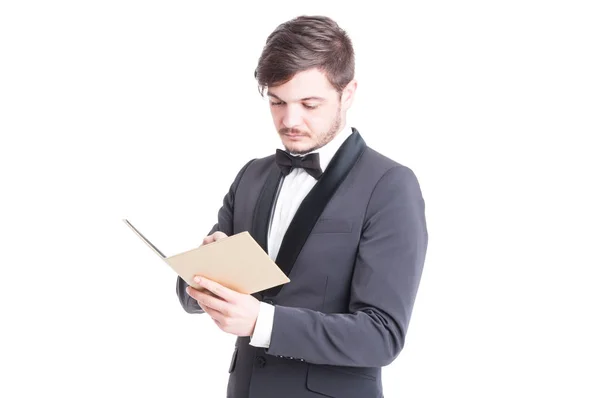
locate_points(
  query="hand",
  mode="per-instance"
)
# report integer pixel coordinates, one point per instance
(233, 312)
(213, 238)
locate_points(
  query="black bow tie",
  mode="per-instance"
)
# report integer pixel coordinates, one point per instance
(287, 162)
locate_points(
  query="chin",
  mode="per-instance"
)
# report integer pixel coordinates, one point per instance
(294, 149)
(297, 146)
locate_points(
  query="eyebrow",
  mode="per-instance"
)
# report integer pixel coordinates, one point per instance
(313, 98)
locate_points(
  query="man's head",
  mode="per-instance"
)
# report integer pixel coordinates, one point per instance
(307, 68)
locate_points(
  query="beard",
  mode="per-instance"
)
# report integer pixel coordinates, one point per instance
(322, 138)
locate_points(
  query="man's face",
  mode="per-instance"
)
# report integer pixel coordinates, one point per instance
(307, 111)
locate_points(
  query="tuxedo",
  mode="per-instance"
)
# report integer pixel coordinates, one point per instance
(354, 251)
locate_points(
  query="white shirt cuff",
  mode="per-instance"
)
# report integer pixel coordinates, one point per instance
(264, 326)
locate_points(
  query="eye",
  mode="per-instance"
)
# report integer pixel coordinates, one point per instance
(276, 103)
(307, 106)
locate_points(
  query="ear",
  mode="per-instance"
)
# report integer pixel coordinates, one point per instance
(348, 94)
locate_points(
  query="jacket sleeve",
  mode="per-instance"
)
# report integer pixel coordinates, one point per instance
(387, 273)
(225, 225)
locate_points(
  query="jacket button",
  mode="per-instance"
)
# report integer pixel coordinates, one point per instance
(261, 362)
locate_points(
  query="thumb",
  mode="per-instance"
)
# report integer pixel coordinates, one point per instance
(219, 235)
(214, 237)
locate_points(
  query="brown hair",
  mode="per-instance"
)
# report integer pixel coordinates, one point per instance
(303, 43)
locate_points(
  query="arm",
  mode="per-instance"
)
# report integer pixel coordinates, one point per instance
(387, 273)
(225, 225)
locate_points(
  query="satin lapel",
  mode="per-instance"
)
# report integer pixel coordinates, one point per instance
(262, 210)
(313, 205)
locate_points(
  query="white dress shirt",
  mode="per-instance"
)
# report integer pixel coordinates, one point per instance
(292, 191)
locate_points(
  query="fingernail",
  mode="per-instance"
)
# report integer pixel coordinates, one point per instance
(197, 279)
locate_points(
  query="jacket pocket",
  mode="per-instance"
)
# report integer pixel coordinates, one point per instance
(339, 383)
(233, 360)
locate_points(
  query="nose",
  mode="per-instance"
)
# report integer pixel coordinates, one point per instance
(292, 117)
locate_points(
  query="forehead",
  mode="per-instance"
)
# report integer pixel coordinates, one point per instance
(309, 83)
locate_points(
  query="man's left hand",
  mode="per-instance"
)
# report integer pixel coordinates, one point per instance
(233, 312)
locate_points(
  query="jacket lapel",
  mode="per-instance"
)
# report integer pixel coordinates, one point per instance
(311, 207)
(262, 211)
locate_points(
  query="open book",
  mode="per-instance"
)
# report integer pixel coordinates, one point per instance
(237, 262)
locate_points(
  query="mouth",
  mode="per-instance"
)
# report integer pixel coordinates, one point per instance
(294, 137)
(292, 132)
(295, 134)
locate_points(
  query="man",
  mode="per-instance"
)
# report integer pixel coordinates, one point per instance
(345, 223)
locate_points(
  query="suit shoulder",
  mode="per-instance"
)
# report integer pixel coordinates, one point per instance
(265, 160)
(380, 165)
(261, 165)
(391, 178)
(253, 169)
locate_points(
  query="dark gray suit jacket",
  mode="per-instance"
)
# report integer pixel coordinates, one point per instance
(354, 253)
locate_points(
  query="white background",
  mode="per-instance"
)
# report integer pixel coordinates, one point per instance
(146, 110)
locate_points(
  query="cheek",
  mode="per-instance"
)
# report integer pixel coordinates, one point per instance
(277, 116)
(316, 122)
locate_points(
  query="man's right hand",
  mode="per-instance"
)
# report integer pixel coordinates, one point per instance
(214, 237)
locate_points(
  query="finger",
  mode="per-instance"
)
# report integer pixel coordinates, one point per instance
(205, 291)
(216, 316)
(208, 239)
(219, 324)
(197, 293)
(216, 288)
(206, 309)
(190, 291)
(206, 300)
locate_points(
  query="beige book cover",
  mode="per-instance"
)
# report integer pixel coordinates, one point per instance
(237, 262)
